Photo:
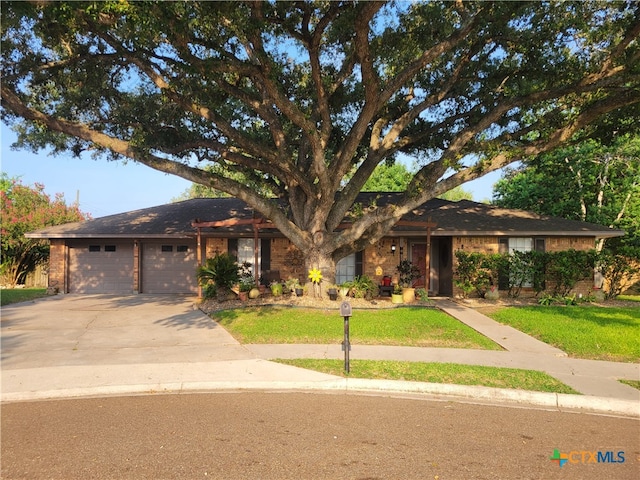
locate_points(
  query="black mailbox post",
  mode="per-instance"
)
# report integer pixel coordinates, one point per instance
(345, 311)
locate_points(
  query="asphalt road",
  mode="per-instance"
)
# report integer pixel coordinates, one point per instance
(307, 436)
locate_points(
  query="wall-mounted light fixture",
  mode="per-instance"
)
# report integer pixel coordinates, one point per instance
(393, 248)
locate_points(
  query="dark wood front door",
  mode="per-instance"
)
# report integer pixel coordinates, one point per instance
(419, 258)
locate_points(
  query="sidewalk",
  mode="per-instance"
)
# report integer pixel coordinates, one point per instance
(86, 364)
(596, 380)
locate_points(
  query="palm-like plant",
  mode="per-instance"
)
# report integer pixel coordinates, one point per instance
(221, 271)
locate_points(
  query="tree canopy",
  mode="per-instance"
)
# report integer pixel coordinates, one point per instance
(25, 209)
(586, 181)
(295, 95)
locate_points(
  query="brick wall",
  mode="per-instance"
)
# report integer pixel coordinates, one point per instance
(215, 246)
(378, 261)
(57, 262)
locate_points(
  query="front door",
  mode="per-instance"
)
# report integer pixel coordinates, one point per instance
(419, 258)
(441, 266)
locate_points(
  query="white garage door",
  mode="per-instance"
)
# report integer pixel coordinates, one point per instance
(169, 267)
(101, 267)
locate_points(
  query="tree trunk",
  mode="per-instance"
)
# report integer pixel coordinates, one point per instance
(320, 259)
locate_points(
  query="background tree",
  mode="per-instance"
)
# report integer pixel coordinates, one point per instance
(388, 178)
(295, 95)
(587, 181)
(25, 209)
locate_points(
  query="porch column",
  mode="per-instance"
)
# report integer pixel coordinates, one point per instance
(427, 259)
(256, 252)
(199, 256)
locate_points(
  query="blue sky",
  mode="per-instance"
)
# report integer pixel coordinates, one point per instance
(106, 188)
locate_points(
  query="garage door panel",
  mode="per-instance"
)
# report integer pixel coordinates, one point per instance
(169, 267)
(100, 271)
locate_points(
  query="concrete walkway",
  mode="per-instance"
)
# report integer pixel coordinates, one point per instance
(70, 346)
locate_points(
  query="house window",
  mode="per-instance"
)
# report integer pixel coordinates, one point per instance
(109, 248)
(518, 244)
(346, 269)
(182, 248)
(246, 252)
(94, 248)
(166, 248)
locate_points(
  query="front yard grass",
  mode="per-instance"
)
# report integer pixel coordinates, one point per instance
(16, 295)
(438, 373)
(418, 327)
(586, 331)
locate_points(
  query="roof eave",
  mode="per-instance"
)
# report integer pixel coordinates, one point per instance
(58, 236)
(526, 233)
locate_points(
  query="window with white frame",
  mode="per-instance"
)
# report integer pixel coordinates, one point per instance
(246, 252)
(520, 244)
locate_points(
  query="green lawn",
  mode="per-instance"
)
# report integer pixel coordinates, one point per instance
(586, 331)
(629, 298)
(439, 373)
(632, 383)
(421, 327)
(15, 295)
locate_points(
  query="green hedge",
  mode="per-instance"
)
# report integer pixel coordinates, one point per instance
(561, 271)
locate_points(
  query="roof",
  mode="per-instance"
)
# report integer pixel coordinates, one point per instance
(174, 220)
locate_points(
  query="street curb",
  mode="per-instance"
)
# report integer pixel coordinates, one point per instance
(558, 401)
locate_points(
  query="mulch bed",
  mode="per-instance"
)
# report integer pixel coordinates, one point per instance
(306, 301)
(482, 305)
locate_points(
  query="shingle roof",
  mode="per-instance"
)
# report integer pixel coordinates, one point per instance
(452, 218)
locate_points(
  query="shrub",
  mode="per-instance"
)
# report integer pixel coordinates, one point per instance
(468, 272)
(220, 271)
(617, 270)
(566, 268)
(363, 287)
(408, 273)
(421, 294)
(520, 272)
(478, 271)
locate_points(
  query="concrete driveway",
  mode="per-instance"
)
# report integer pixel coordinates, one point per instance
(70, 330)
(98, 345)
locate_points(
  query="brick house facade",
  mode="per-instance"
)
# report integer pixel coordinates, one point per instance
(156, 250)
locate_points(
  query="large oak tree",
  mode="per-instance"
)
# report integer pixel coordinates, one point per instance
(295, 95)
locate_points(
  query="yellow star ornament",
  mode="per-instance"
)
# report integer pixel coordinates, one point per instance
(315, 275)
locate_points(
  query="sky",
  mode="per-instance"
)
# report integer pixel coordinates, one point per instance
(106, 188)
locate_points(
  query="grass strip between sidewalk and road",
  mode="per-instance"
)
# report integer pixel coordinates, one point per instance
(417, 327)
(449, 373)
(585, 331)
(632, 383)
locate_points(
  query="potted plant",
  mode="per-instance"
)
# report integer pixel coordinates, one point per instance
(408, 273)
(276, 289)
(332, 291)
(247, 284)
(345, 289)
(396, 295)
(422, 295)
(293, 285)
(262, 285)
